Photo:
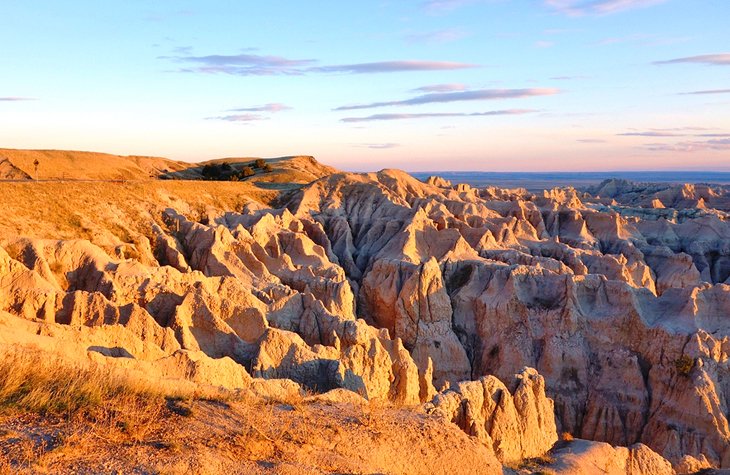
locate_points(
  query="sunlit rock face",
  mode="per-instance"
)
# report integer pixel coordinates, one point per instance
(414, 292)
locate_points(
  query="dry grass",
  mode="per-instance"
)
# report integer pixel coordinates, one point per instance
(90, 405)
(109, 214)
(33, 383)
(58, 418)
(534, 465)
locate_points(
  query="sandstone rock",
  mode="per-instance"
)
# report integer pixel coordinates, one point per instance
(389, 287)
(515, 425)
(585, 457)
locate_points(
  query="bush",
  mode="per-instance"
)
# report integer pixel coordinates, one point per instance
(684, 364)
(268, 168)
(259, 163)
(247, 172)
(211, 171)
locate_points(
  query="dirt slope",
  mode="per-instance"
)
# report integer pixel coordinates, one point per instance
(63, 164)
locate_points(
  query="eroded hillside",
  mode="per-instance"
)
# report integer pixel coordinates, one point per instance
(517, 317)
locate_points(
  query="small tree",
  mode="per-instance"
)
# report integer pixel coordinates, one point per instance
(36, 163)
(211, 171)
(259, 163)
(247, 172)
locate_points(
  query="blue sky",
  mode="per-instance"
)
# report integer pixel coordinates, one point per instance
(496, 85)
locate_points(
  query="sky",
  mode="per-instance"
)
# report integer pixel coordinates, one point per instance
(489, 85)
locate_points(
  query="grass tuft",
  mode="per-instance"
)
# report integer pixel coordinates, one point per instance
(30, 381)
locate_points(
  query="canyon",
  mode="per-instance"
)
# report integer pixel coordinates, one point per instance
(556, 331)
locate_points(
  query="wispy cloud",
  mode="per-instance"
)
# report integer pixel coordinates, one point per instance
(392, 67)
(711, 91)
(598, 7)
(428, 115)
(682, 129)
(450, 87)
(271, 107)
(16, 99)
(239, 117)
(265, 65)
(476, 95)
(590, 141)
(691, 146)
(650, 133)
(718, 59)
(690, 141)
(695, 132)
(243, 64)
(377, 146)
(446, 35)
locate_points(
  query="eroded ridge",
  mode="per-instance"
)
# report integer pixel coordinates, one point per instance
(415, 293)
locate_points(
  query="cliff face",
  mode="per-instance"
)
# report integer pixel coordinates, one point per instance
(417, 293)
(624, 317)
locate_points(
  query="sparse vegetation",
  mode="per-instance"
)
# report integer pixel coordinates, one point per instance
(226, 172)
(28, 382)
(684, 364)
(211, 171)
(81, 407)
(267, 168)
(247, 172)
(535, 463)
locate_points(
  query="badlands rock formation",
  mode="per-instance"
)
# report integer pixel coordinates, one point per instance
(515, 316)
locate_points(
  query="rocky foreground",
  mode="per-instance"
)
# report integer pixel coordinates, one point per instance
(593, 325)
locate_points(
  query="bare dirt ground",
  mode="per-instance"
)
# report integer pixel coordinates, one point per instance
(213, 437)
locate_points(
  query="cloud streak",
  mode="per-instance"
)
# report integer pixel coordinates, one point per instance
(717, 59)
(239, 118)
(451, 87)
(271, 107)
(378, 146)
(598, 7)
(15, 99)
(650, 134)
(691, 146)
(460, 96)
(675, 132)
(266, 65)
(429, 115)
(712, 91)
(244, 64)
(392, 67)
